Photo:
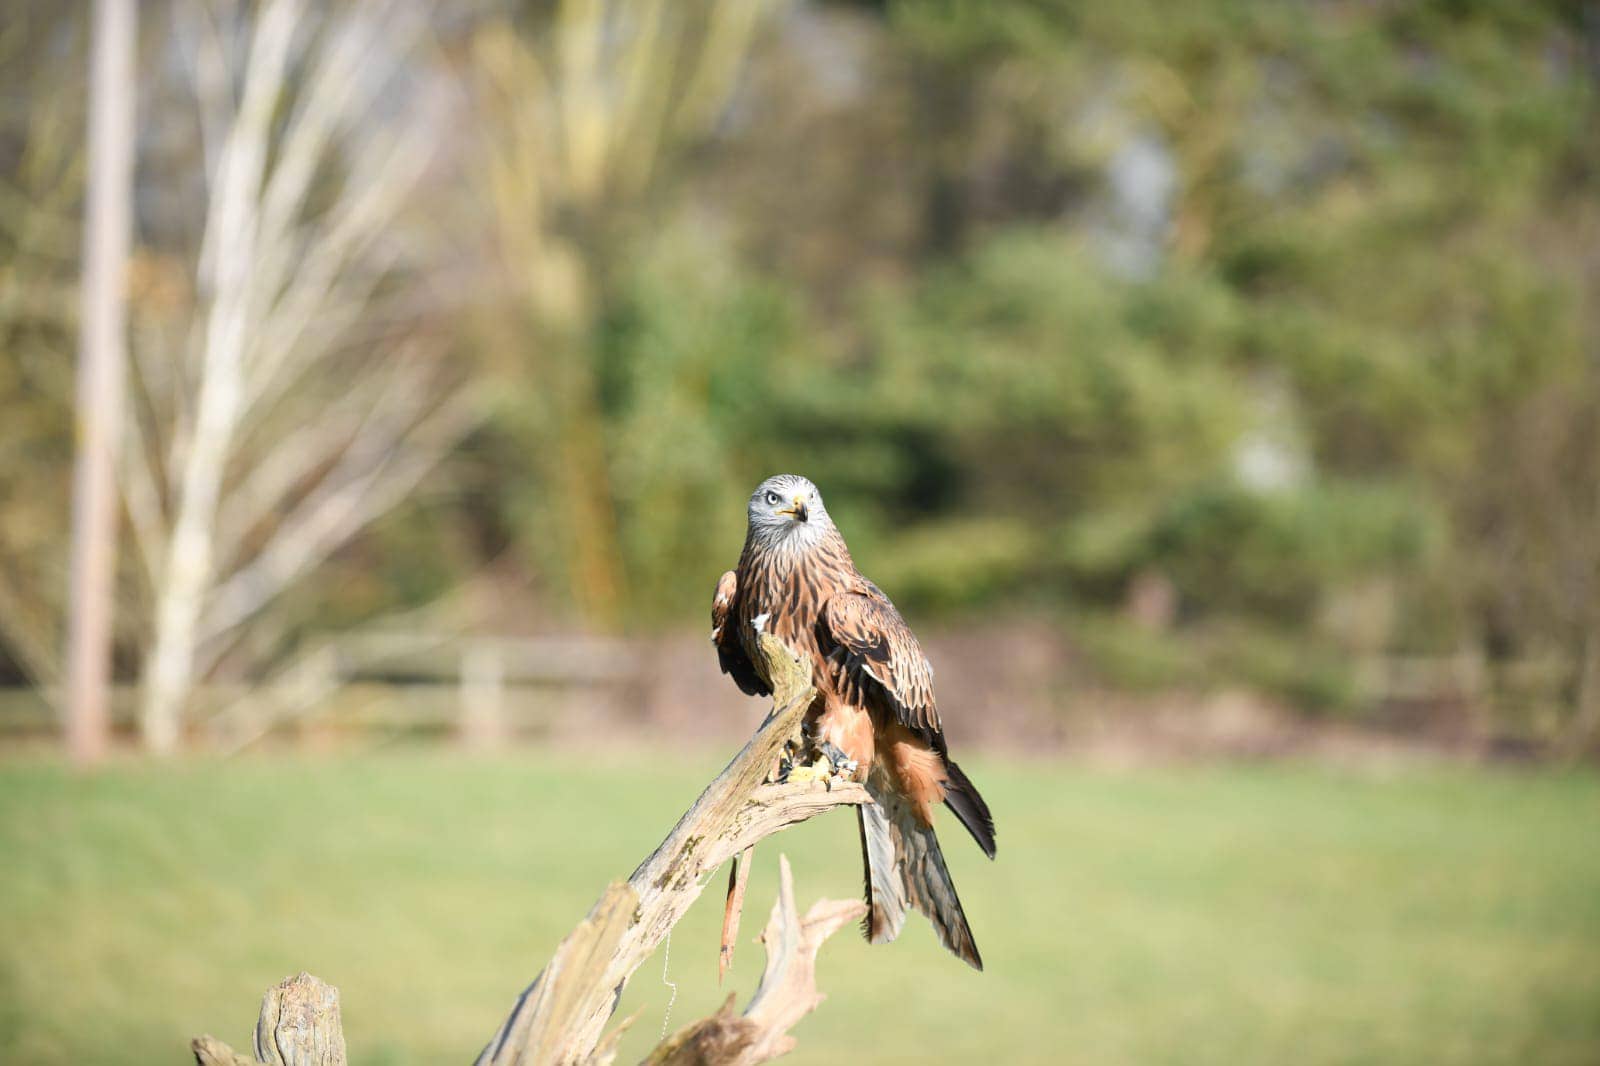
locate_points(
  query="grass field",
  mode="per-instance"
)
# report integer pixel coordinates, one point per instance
(1207, 915)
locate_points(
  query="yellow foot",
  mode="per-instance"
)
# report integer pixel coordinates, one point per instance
(821, 770)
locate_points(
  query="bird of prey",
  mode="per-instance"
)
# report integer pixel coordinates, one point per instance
(874, 719)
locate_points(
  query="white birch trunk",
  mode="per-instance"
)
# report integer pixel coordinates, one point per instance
(225, 269)
(287, 289)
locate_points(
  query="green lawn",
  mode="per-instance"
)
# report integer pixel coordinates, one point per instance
(1209, 915)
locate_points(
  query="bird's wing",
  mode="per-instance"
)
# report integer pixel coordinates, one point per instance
(730, 651)
(881, 659)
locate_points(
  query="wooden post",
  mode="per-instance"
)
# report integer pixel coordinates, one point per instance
(483, 722)
(101, 355)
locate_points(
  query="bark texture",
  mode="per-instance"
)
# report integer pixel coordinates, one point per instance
(559, 1018)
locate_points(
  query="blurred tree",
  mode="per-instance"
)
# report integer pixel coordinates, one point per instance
(1274, 307)
(585, 116)
(101, 373)
(43, 57)
(291, 394)
(1534, 505)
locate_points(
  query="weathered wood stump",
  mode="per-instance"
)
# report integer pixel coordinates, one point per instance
(299, 1026)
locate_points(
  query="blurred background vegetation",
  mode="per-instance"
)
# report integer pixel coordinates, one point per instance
(1242, 342)
(1202, 378)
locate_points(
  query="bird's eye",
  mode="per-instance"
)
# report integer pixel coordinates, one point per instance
(772, 497)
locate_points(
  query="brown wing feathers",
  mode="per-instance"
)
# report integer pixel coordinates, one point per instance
(882, 660)
(730, 653)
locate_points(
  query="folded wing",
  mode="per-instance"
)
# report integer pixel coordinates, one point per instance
(881, 662)
(730, 652)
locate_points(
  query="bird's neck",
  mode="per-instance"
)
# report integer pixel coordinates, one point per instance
(773, 559)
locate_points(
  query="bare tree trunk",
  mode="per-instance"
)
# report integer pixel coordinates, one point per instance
(186, 574)
(587, 483)
(231, 230)
(1585, 727)
(292, 272)
(101, 376)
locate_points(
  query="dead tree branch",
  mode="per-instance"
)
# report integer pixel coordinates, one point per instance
(787, 993)
(738, 878)
(560, 1016)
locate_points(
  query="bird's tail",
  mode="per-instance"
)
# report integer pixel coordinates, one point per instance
(904, 866)
(962, 797)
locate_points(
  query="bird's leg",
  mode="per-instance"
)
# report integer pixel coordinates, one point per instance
(786, 761)
(844, 767)
(799, 771)
(793, 766)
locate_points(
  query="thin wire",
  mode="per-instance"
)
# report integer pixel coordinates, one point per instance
(666, 960)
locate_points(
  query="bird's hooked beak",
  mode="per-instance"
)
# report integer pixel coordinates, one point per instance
(798, 511)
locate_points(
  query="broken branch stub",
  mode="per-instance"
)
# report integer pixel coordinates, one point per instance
(299, 1026)
(787, 993)
(738, 879)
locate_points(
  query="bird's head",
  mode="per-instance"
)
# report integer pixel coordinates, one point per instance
(785, 506)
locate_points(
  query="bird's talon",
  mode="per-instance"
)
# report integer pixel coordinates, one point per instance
(820, 770)
(844, 767)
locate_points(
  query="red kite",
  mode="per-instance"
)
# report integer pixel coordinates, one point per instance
(874, 719)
